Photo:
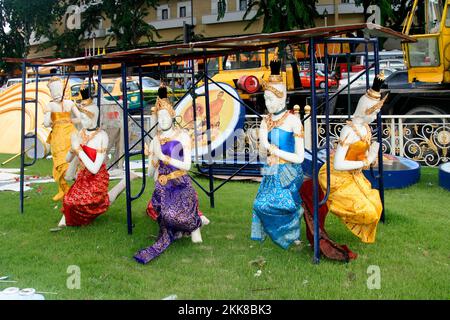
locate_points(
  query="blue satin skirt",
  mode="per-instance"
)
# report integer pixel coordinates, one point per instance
(277, 208)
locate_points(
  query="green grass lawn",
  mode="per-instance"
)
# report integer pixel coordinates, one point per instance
(412, 250)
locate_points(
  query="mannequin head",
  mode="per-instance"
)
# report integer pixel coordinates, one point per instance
(89, 116)
(275, 99)
(165, 120)
(55, 86)
(163, 110)
(369, 105)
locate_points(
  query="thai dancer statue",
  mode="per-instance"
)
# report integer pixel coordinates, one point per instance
(174, 202)
(351, 197)
(277, 208)
(89, 197)
(60, 114)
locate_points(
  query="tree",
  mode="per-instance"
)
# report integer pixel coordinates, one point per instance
(127, 22)
(67, 42)
(21, 18)
(282, 15)
(400, 11)
(12, 43)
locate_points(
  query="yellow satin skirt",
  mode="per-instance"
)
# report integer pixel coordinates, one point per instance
(353, 200)
(59, 140)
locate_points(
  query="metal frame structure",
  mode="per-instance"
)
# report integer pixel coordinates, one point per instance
(209, 49)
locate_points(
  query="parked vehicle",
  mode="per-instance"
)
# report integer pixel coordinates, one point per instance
(148, 83)
(398, 80)
(320, 79)
(396, 64)
(114, 87)
(361, 81)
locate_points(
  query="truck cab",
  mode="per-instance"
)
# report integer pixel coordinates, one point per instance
(428, 59)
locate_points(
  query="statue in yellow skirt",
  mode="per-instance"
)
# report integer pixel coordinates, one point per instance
(351, 197)
(60, 115)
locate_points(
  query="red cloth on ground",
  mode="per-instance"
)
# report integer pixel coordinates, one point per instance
(327, 246)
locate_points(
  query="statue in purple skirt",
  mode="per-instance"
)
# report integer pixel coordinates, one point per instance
(174, 202)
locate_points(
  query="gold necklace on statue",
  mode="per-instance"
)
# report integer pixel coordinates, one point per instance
(275, 123)
(85, 138)
(165, 140)
(368, 135)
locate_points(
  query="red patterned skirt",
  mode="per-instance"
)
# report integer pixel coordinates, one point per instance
(87, 198)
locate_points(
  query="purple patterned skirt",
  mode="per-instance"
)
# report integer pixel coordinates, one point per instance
(177, 206)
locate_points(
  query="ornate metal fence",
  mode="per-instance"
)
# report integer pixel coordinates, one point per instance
(422, 138)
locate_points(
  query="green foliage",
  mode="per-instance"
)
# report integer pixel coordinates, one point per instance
(282, 15)
(127, 21)
(12, 43)
(47, 19)
(67, 42)
(22, 17)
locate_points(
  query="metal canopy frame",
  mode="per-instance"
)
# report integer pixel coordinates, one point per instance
(202, 51)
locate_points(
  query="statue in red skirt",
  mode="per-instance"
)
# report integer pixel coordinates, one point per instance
(89, 197)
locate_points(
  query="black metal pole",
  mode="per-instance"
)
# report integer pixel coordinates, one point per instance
(194, 106)
(22, 134)
(208, 134)
(141, 95)
(379, 135)
(90, 80)
(348, 88)
(99, 92)
(315, 169)
(126, 147)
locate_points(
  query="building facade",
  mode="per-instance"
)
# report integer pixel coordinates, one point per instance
(170, 16)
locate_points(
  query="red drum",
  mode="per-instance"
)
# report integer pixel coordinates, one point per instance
(249, 84)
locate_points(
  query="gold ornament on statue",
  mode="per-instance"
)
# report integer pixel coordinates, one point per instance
(376, 106)
(162, 102)
(274, 78)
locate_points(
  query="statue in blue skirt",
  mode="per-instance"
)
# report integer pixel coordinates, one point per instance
(277, 208)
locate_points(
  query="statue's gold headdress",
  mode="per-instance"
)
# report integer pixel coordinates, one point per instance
(162, 102)
(274, 78)
(86, 101)
(266, 86)
(375, 93)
